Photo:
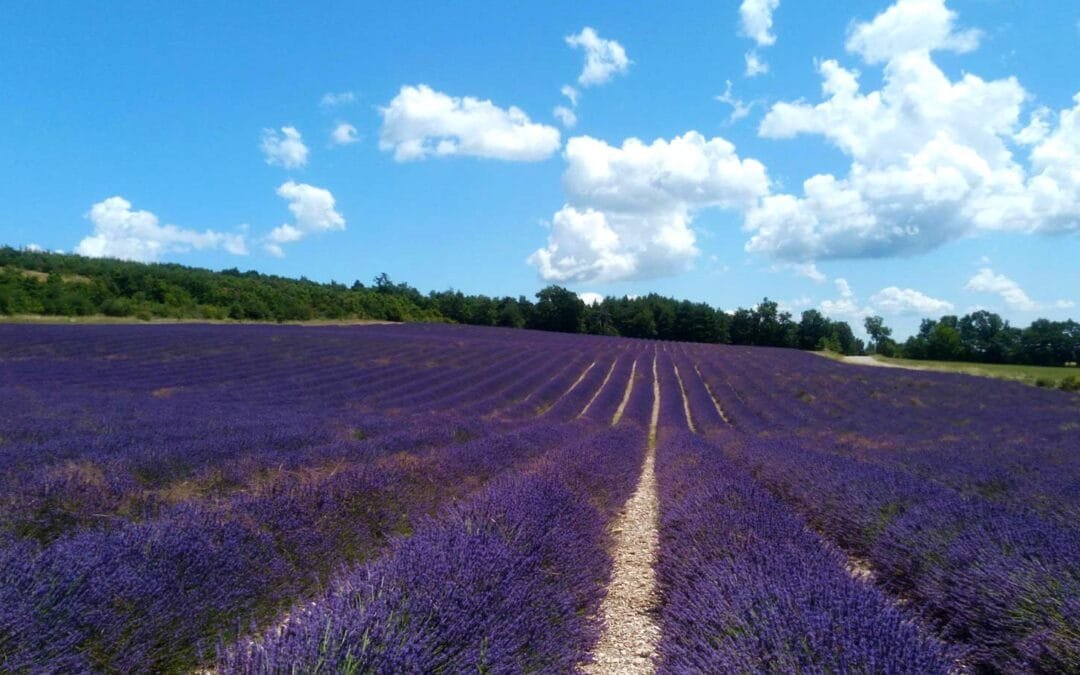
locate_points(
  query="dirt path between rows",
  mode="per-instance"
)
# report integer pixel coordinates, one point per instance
(602, 385)
(626, 394)
(630, 634)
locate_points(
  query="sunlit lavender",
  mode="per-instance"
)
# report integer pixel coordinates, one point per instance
(421, 498)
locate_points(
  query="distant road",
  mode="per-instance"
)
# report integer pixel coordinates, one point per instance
(871, 361)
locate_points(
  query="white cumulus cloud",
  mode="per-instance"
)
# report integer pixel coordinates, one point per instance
(590, 298)
(344, 134)
(895, 300)
(688, 170)
(313, 210)
(630, 208)
(910, 26)
(420, 123)
(603, 58)
(286, 149)
(892, 300)
(931, 158)
(756, 20)
(120, 232)
(583, 246)
(987, 281)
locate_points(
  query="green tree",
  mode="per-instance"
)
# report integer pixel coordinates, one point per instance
(944, 343)
(813, 328)
(1050, 343)
(978, 332)
(880, 335)
(558, 309)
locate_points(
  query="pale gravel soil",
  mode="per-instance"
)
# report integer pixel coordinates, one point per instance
(602, 385)
(628, 642)
(712, 396)
(685, 400)
(626, 395)
(871, 361)
(577, 381)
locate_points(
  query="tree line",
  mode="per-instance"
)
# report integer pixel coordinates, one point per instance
(982, 337)
(40, 283)
(651, 316)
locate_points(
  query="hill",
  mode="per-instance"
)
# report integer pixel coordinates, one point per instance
(42, 284)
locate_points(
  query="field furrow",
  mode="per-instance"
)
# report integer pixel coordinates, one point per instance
(435, 498)
(630, 633)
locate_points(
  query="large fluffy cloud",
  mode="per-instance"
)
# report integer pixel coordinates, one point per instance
(286, 149)
(313, 212)
(591, 245)
(932, 159)
(630, 207)
(121, 232)
(603, 58)
(420, 123)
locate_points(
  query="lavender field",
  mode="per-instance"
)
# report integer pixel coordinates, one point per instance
(425, 498)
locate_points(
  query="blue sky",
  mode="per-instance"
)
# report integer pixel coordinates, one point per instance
(909, 159)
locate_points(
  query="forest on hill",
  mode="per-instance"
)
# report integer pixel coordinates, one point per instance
(54, 284)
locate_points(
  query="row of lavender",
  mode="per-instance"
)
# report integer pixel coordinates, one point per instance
(961, 494)
(368, 436)
(983, 438)
(123, 441)
(508, 581)
(167, 488)
(747, 587)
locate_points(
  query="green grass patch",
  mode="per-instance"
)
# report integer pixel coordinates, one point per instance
(1044, 375)
(829, 354)
(103, 319)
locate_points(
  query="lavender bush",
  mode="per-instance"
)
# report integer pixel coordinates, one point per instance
(172, 497)
(748, 588)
